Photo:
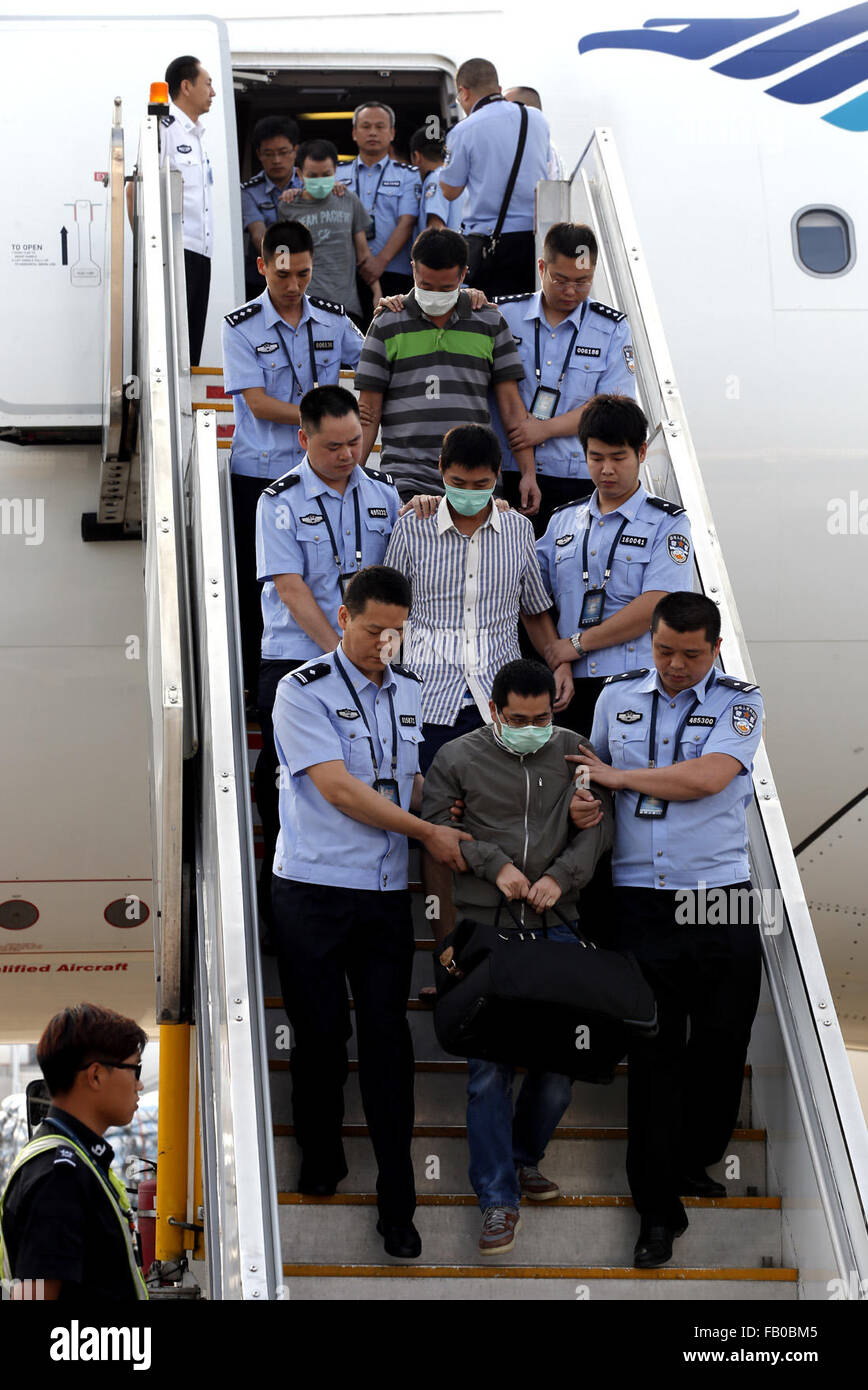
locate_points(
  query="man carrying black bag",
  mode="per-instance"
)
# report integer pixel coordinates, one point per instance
(516, 785)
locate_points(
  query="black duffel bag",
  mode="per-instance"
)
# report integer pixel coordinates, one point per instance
(507, 994)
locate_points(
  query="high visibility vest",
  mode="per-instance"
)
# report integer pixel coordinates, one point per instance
(121, 1206)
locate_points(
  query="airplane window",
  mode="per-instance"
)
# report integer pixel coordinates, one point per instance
(823, 241)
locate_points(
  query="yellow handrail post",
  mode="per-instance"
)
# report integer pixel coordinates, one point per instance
(173, 1138)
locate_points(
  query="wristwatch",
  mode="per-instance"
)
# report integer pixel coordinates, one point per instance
(576, 640)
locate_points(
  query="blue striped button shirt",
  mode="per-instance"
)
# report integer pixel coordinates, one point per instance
(468, 592)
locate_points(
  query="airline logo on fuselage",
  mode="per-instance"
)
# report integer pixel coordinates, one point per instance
(788, 47)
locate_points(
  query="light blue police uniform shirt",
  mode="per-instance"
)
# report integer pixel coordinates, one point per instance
(292, 538)
(258, 346)
(700, 841)
(388, 190)
(601, 359)
(260, 197)
(653, 552)
(480, 151)
(434, 201)
(316, 721)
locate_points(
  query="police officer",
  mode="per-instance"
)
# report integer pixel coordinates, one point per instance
(608, 560)
(428, 155)
(315, 528)
(347, 730)
(275, 348)
(275, 140)
(481, 152)
(676, 744)
(390, 193)
(66, 1228)
(571, 348)
(182, 143)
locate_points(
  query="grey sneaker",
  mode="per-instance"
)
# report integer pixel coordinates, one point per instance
(536, 1187)
(499, 1225)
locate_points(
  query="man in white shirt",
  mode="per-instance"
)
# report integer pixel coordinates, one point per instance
(182, 143)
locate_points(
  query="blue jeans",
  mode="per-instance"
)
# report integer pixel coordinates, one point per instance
(498, 1141)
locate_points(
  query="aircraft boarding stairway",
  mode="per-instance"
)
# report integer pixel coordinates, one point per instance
(796, 1216)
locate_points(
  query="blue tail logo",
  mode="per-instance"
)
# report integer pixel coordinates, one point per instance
(697, 39)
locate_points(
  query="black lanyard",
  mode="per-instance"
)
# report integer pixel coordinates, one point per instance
(289, 352)
(569, 349)
(376, 190)
(328, 525)
(618, 534)
(358, 704)
(652, 739)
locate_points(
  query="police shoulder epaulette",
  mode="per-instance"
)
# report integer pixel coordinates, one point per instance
(671, 507)
(239, 315)
(327, 304)
(257, 178)
(405, 671)
(627, 675)
(513, 298)
(607, 311)
(380, 477)
(305, 674)
(576, 502)
(744, 686)
(399, 164)
(167, 120)
(281, 484)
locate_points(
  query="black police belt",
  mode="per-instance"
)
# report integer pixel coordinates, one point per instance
(654, 807)
(345, 578)
(545, 401)
(386, 786)
(595, 599)
(296, 382)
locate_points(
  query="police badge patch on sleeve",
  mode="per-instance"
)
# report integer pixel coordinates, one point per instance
(628, 358)
(744, 719)
(679, 548)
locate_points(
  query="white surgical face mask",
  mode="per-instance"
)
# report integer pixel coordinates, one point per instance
(436, 302)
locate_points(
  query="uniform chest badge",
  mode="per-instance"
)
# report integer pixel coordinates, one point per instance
(744, 719)
(587, 351)
(312, 518)
(565, 540)
(268, 347)
(378, 511)
(629, 716)
(347, 713)
(185, 149)
(324, 343)
(409, 721)
(679, 548)
(640, 541)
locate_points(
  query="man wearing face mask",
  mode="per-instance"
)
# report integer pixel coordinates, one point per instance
(515, 783)
(337, 223)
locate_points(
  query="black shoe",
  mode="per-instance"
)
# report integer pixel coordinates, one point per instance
(654, 1246)
(317, 1189)
(404, 1242)
(697, 1183)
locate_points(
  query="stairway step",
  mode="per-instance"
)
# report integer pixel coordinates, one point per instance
(742, 1232)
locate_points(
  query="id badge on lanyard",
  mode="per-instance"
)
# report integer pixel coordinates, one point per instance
(545, 401)
(383, 786)
(654, 807)
(594, 601)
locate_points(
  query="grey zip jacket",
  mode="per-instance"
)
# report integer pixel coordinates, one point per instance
(517, 810)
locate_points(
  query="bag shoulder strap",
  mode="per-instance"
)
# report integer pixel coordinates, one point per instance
(513, 175)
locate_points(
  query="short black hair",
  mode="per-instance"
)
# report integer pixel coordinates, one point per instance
(316, 149)
(423, 143)
(184, 69)
(286, 237)
(377, 106)
(315, 405)
(82, 1034)
(477, 74)
(572, 239)
(613, 420)
(271, 127)
(528, 96)
(379, 583)
(687, 612)
(440, 249)
(522, 678)
(470, 447)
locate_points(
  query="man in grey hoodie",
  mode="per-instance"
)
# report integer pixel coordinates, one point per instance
(516, 786)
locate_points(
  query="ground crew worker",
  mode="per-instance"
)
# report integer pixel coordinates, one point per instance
(389, 191)
(480, 155)
(571, 348)
(676, 744)
(66, 1228)
(316, 527)
(347, 730)
(610, 559)
(277, 347)
(182, 143)
(428, 155)
(275, 140)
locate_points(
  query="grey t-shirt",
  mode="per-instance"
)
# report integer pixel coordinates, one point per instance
(332, 222)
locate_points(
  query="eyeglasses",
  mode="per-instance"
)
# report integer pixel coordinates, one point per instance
(519, 721)
(123, 1066)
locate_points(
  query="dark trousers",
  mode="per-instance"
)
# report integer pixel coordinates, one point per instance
(683, 1091)
(265, 791)
(435, 735)
(246, 492)
(390, 283)
(579, 713)
(197, 270)
(323, 935)
(512, 268)
(553, 492)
